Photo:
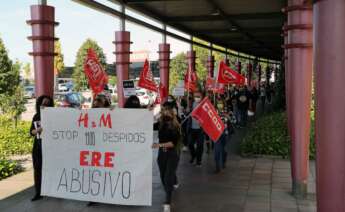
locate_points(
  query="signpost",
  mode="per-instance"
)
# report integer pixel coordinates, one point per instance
(128, 88)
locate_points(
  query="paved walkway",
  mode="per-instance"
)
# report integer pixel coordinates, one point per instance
(246, 185)
(249, 185)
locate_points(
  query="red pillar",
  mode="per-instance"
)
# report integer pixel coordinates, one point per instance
(239, 67)
(191, 60)
(227, 61)
(122, 45)
(329, 63)
(300, 70)
(164, 62)
(210, 66)
(43, 23)
(191, 56)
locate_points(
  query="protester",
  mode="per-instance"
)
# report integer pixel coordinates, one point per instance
(35, 131)
(169, 133)
(235, 105)
(101, 101)
(269, 93)
(197, 135)
(171, 103)
(262, 97)
(243, 99)
(132, 102)
(220, 153)
(184, 123)
(255, 95)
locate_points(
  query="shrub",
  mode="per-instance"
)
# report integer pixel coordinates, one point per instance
(14, 141)
(269, 136)
(8, 168)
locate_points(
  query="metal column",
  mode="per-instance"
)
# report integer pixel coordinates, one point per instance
(299, 47)
(329, 63)
(43, 23)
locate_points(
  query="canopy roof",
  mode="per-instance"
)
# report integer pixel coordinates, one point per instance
(252, 27)
(249, 26)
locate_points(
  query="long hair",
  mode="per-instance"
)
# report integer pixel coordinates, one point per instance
(39, 102)
(132, 102)
(173, 122)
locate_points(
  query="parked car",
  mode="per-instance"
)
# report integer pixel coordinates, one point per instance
(87, 96)
(63, 88)
(143, 96)
(153, 96)
(73, 100)
(29, 92)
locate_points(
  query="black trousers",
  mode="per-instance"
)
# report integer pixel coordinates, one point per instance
(263, 100)
(197, 136)
(37, 163)
(167, 163)
(185, 133)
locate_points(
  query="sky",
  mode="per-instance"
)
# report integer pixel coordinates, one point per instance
(77, 23)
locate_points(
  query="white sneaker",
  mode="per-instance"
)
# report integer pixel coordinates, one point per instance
(166, 208)
(185, 149)
(176, 186)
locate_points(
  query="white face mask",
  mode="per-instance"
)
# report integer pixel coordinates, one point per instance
(197, 99)
(170, 100)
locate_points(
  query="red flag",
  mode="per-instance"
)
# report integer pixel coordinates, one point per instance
(161, 94)
(94, 72)
(209, 119)
(219, 88)
(226, 75)
(190, 80)
(209, 83)
(146, 78)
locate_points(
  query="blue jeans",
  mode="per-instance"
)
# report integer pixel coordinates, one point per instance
(220, 153)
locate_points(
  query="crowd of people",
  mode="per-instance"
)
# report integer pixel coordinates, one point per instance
(177, 130)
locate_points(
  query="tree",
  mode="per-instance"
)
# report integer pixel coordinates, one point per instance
(9, 73)
(59, 65)
(79, 79)
(13, 105)
(112, 80)
(201, 60)
(27, 73)
(178, 67)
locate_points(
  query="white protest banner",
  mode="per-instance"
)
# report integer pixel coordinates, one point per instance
(98, 155)
(178, 91)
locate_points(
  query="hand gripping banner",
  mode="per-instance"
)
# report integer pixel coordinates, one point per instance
(209, 119)
(94, 72)
(146, 78)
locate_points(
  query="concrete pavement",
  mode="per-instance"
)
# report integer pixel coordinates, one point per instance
(247, 185)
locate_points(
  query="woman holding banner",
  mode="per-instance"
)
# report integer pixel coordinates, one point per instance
(35, 131)
(169, 134)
